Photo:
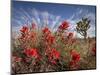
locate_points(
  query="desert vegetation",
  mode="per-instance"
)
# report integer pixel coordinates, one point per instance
(44, 50)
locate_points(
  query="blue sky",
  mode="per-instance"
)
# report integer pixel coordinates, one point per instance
(53, 14)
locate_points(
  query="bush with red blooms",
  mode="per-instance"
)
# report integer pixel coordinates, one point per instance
(31, 53)
(24, 29)
(42, 50)
(46, 30)
(64, 25)
(54, 55)
(75, 58)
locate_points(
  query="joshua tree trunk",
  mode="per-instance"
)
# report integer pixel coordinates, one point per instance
(85, 35)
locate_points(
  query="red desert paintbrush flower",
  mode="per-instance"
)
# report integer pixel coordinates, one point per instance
(75, 56)
(24, 29)
(50, 39)
(75, 59)
(24, 32)
(55, 54)
(31, 52)
(46, 30)
(64, 25)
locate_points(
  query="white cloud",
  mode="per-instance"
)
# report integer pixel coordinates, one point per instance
(35, 14)
(72, 16)
(15, 31)
(91, 32)
(45, 16)
(56, 20)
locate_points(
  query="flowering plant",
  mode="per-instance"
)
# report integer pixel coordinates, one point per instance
(44, 50)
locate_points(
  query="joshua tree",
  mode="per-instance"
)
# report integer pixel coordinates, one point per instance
(83, 26)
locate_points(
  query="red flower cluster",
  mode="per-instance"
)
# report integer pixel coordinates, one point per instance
(50, 39)
(46, 30)
(48, 36)
(31, 53)
(75, 55)
(64, 25)
(54, 55)
(24, 29)
(75, 59)
(47, 44)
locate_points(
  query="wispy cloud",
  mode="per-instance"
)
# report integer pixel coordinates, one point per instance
(43, 18)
